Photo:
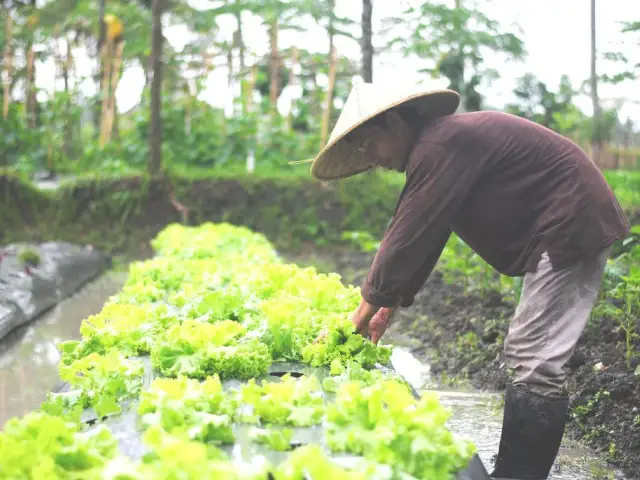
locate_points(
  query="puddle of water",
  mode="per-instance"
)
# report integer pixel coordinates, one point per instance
(477, 418)
(29, 356)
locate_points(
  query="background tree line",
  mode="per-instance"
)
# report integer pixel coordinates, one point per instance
(61, 129)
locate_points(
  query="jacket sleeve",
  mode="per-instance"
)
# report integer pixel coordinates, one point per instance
(437, 183)
(416, 282)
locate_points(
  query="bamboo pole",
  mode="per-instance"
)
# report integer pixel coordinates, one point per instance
(8, 62)
(326, 117)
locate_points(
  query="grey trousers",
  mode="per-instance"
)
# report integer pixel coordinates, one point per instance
(553, 311)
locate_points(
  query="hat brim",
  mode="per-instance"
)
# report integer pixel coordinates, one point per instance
(340, 159)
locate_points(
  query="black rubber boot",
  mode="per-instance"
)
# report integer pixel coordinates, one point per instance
(532, 430)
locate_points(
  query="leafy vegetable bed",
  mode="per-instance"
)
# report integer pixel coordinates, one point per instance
(181, 375)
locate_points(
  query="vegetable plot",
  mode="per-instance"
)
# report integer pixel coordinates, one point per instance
(192, 352)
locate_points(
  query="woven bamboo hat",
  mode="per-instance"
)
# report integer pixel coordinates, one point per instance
(341, 158)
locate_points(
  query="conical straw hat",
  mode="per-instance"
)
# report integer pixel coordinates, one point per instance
(341, 158)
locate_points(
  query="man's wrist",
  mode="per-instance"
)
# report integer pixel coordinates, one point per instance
(387, 312)
(366, 310)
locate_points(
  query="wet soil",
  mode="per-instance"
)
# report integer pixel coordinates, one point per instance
(461, 337)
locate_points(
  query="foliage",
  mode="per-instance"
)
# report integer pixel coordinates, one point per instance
(451, 42)
(364, 421)
(48, 446)
(455, 40)
(557, 110)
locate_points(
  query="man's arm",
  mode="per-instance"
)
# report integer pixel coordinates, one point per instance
(417, 281)
(437, 185)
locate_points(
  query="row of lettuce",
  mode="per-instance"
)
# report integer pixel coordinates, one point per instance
(217, 303)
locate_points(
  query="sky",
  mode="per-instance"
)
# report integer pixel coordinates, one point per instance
(556, 34)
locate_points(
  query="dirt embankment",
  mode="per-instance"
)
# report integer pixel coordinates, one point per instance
(120, 215)
(461, 336)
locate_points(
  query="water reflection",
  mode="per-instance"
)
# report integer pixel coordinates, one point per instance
(477, 416)
(29, 355)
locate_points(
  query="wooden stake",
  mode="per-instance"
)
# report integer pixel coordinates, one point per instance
(326, 117)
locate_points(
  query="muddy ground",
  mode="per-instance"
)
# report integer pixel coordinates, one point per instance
(461, 337)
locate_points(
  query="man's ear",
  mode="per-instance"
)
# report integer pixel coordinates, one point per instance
(394, 122)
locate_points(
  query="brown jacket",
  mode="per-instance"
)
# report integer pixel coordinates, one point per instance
(510, 188)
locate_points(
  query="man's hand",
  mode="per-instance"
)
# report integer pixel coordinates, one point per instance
(379, 323)
(370, 321)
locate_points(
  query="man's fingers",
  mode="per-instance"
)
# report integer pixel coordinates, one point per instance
(377, 327)
(321, 336)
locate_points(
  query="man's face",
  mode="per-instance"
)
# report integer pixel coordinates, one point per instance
(388, 143)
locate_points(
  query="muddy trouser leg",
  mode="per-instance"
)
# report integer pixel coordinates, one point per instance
(553, 311)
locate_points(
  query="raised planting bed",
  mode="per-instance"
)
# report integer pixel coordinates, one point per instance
(206, 365)
(35, 277)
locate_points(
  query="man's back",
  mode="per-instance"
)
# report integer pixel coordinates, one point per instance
(532, 191)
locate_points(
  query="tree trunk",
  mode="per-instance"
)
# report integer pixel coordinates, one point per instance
(274, 65)
(8, 63)
(107, 55)
(67, 145)
(111, 112)
(366, 42)
(30, 82)
(240, 39)
(462, 85)
(29, 94)
(292, 81)
(596, 134)
(326, 116)
(155, 127)
(99, 78)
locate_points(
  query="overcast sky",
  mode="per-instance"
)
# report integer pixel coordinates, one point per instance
(556, 34)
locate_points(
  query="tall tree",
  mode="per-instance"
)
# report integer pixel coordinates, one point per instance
(596, 135)
(366, 41)
(454, 40)
(631, 66)
(324, 12)
(155, 129)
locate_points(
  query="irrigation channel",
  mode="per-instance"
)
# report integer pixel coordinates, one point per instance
(28, 370)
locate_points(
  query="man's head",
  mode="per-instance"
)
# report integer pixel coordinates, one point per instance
(378, 127)
(388, 139)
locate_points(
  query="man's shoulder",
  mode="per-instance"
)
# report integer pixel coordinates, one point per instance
(462, 127)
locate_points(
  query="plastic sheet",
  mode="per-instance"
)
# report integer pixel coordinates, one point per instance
(56, 271)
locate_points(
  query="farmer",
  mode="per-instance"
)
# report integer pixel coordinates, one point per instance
(527, 200)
